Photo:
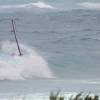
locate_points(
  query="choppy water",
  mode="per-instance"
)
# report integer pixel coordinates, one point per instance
(68, 41)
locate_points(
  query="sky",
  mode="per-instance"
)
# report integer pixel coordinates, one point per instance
(51, 4)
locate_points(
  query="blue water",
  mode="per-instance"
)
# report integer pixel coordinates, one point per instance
(69, 41)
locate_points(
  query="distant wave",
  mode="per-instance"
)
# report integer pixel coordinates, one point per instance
(90, 5)
(89, 38)
(29, 66)
(28, 5)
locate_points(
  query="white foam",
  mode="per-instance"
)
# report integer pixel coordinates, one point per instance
(43, 5)
(35, 96)
(28, 66)
(90, 5)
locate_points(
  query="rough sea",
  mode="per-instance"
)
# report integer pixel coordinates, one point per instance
(61, 52)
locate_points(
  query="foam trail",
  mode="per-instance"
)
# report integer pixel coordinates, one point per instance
(28, 66)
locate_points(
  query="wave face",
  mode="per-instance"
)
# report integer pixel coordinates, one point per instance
(28, 66)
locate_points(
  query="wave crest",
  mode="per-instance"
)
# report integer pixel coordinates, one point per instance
(29, 5)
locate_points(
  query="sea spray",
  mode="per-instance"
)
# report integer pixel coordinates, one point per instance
(15, 67)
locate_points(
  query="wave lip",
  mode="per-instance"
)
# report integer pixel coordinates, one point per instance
(29, 66)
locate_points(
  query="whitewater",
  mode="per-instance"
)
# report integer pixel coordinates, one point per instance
(27, 66)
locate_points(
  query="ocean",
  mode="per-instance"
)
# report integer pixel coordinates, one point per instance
(61, 51)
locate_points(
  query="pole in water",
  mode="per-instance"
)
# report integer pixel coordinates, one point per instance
(13, 25)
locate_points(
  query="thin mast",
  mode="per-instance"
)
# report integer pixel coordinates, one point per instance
(13, 25)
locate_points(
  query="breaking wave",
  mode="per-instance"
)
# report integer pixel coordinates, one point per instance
(28, 66)
(28, 5)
